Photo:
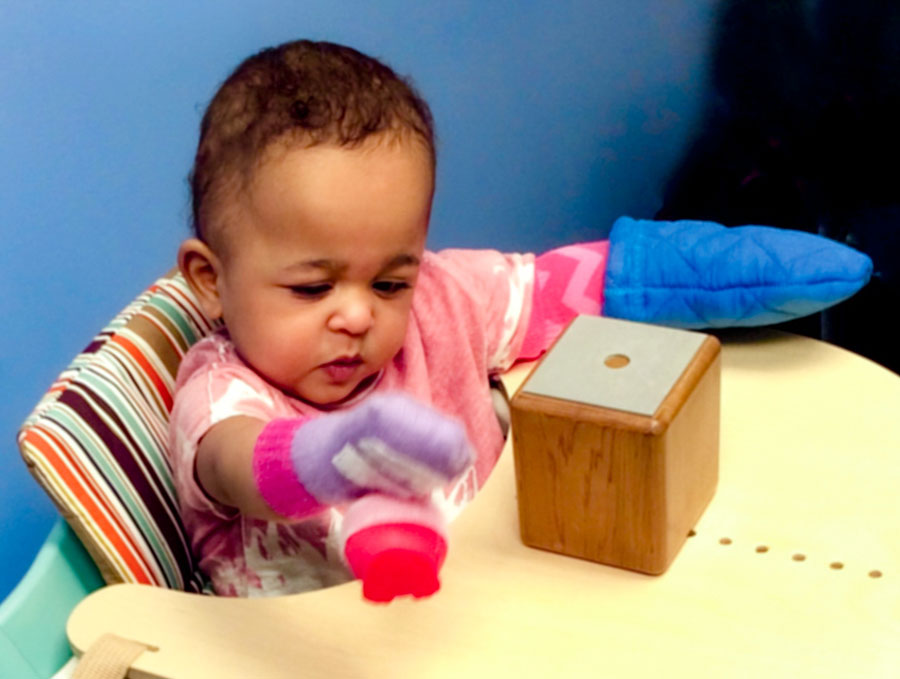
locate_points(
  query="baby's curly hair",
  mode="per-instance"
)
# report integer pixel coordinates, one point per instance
(300, 93)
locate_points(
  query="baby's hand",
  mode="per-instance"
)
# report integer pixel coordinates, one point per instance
(390, 443)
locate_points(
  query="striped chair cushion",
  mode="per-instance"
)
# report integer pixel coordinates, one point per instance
(96, 441)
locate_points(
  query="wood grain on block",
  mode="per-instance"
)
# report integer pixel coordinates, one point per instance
(597, 480)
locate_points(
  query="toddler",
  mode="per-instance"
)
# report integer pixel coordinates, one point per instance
(343, 413)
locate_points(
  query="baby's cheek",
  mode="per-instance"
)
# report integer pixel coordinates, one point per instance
(286, 357)
(394, 332)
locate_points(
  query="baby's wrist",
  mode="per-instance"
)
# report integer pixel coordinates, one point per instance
(275, 474)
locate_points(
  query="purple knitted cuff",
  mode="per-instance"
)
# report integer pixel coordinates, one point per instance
(274, 473)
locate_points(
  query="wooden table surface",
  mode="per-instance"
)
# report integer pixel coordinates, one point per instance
(794, 570)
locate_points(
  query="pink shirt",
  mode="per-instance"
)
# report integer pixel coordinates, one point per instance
(469, 317)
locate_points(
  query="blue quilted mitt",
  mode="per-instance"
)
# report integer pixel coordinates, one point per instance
(692, 274)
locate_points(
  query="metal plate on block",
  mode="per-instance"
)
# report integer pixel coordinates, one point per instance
(615, 364)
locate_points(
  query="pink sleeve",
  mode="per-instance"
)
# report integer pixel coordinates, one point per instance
(498, 286)
(568, 281)
(209, 396)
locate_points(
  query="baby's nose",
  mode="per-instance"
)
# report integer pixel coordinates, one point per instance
(355, 314)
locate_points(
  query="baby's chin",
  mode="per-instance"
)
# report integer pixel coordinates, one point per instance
(332, 396)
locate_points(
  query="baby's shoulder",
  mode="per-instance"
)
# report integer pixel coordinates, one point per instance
(477, 277)
(467, 269)
(214, 383)
(215, 351)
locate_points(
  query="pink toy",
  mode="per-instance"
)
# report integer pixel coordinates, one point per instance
(396, 547)
(383, 459)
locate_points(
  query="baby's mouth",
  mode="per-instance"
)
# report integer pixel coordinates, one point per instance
(342, 369)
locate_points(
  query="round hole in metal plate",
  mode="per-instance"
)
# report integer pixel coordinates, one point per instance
(616, 361)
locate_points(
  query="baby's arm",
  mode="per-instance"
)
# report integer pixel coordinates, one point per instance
(691, 274)
(383, 459)
(292, 468)
(245, 463)
(224, 467)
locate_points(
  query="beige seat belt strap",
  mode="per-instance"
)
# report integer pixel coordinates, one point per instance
(109, 657)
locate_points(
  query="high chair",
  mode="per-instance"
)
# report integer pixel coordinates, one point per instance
(96, 444)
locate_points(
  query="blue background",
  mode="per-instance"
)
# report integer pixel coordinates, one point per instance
(554, 118)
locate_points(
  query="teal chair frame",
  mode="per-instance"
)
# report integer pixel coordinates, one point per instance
(33, 642)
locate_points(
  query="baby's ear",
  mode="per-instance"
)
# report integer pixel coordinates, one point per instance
(200, 267)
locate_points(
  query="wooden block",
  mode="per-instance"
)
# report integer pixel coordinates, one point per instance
(616, 442)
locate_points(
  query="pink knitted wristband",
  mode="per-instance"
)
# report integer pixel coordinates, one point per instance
(273, 471)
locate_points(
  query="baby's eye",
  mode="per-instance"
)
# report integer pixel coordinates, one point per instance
(389, 288)
(311, 291)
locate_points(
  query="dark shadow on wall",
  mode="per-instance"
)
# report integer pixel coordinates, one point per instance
(803, 132)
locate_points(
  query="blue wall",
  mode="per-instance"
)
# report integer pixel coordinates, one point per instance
(553, 117)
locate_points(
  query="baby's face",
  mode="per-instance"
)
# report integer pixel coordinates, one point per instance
(318, 280)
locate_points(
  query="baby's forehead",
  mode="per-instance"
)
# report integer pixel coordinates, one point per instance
(239, 206)
(375, 151)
